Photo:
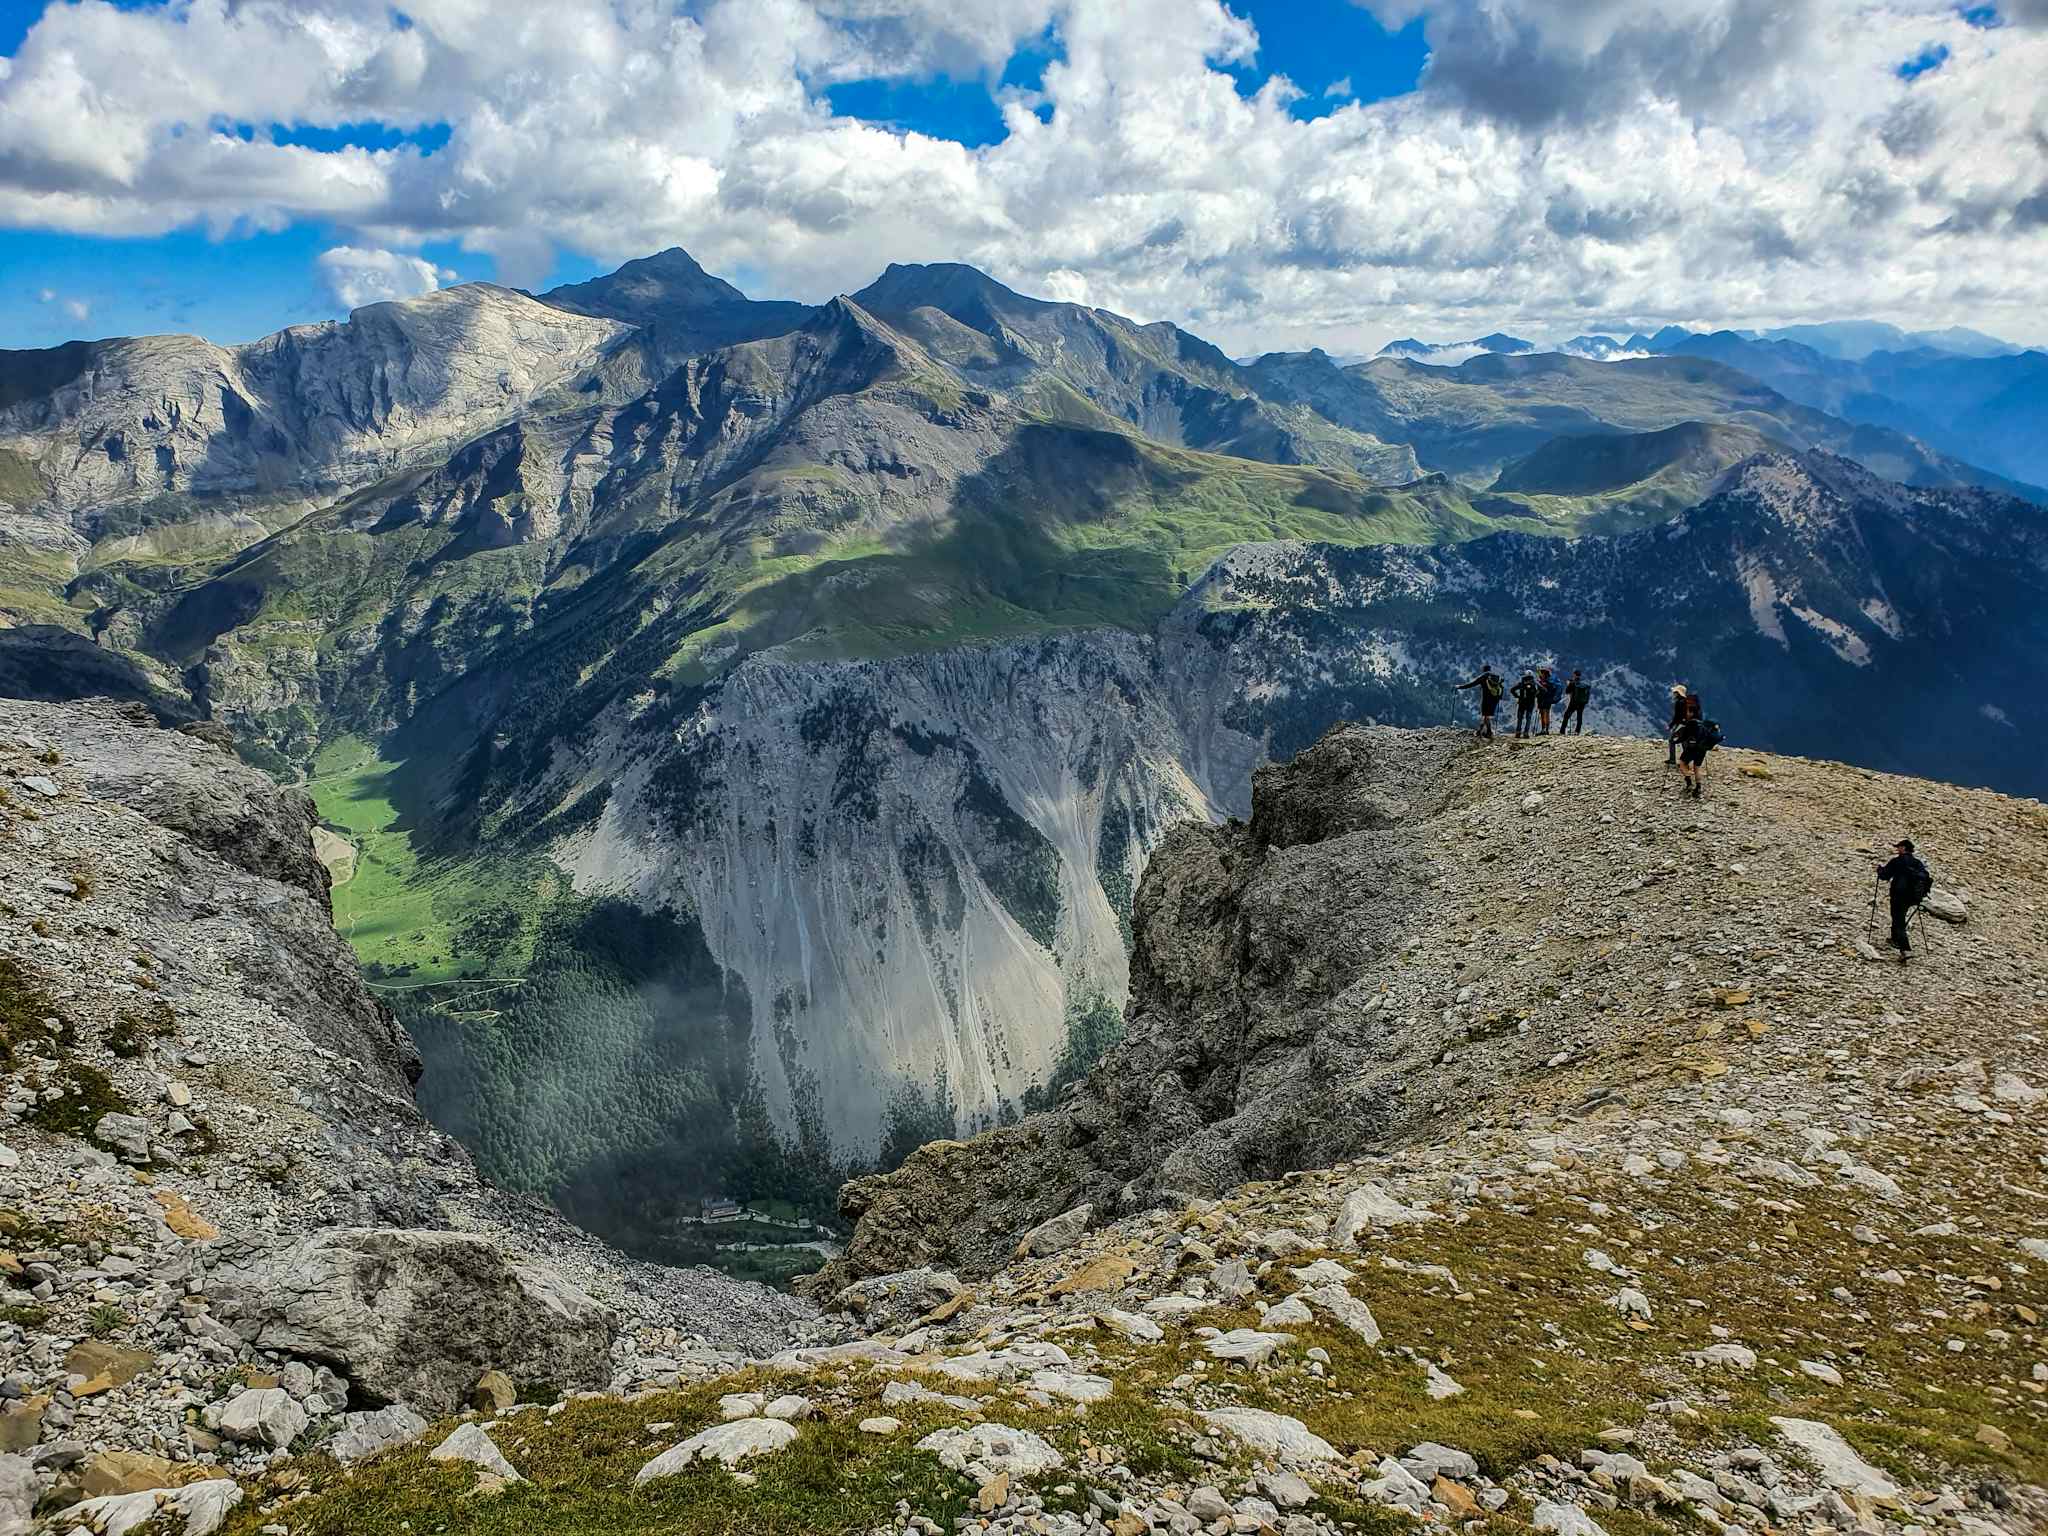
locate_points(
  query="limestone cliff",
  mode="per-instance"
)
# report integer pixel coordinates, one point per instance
(213, 1175)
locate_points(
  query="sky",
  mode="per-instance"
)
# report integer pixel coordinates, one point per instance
(1269, 173)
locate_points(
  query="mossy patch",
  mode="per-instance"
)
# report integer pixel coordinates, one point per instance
(23, 1007)
(87, 1094)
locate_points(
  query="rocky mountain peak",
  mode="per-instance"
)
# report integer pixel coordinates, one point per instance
(967, 294)
(648, 287)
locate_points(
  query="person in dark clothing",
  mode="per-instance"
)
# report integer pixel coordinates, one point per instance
(1525, 703)
(1690, 738)
(1910, 883)
(1490, 689)
(1677, 719)
(1546, 696)
(1576, 693)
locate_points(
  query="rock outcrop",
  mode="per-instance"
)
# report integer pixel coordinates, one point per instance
(1300, 981)
(415, 1317)
(224, 1222)
(1253, 1041)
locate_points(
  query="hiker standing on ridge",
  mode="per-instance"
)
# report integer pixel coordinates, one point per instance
(1694, 737)
(1490, 689)
(1677, 719)
(1546, 696)
(1576, 693)
(1910, 882)
(1525, 703)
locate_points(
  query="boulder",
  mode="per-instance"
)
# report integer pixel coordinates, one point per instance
(1429, 1461)
(1564, 1520)
(1337, 1302)
(205, 1505)
(96, 1357)
(125, 1134)
(265, 1415)
(365, 1434)
(988, 1451)
(493, 1393)
(21, 1426)
(1246, 1346)
(472, 1443)
(1370, 1206)
(1274, 1434)
(19, 1490)
(1835, 1459)
(415, 1317)
(893, 1303)
(729, 1444)
(1949, 906)
(1057, 1235)
(110, 1472)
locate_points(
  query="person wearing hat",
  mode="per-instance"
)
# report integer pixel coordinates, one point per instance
(1910, 882)
(1677, 719)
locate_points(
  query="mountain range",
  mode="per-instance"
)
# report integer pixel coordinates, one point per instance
(1967, 394)
(753, 718)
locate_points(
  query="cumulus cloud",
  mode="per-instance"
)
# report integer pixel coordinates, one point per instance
(78, 309)
(1565, 165)
(357, 277)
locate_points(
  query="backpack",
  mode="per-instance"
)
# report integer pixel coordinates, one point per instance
(1709, 736)
(1914, 882)
(1490, 689)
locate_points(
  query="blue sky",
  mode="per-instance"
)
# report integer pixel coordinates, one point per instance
(241, 282)
(1271, 173)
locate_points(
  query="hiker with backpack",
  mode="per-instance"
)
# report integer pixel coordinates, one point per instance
(1693, 738)
(1576, 693)
(1490, 689)
(1677, 719)
(1525, 703)
(1910, 881)
(1546, 696)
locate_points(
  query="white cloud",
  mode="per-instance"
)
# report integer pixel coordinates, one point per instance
(357, 277)
(1568, 165)
(78, 309)
(1338, 90)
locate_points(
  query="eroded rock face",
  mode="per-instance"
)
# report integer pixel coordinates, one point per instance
(414, 1317)
(229, 813)
(1253, 1042)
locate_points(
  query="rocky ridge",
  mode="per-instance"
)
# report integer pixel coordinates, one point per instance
(1668, 1202)
(226, 1227)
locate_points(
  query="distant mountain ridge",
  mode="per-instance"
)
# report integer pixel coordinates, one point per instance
(1969, 395)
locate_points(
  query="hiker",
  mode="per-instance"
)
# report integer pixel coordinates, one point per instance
(1677, 719)
(1694, 737)
(1490, 689)
(1576, 693)
(1910, 882)
(1525, 703)
(1546, 696)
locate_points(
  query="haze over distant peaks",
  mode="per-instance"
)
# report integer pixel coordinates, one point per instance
(1452, 352)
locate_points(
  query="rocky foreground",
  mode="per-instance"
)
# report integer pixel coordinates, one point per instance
(1529, 1148)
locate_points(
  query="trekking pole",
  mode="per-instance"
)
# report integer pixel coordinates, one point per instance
(1876, 887)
